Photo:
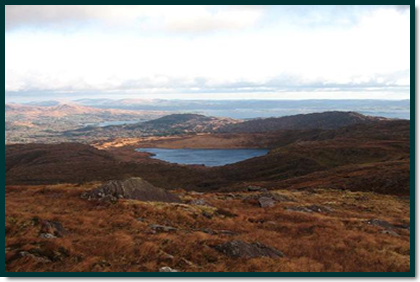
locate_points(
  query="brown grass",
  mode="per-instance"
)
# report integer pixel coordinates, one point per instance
(108, 237)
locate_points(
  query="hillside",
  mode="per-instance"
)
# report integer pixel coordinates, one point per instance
(296, 155)
(208, 232)
(167, 125)
(325, 120)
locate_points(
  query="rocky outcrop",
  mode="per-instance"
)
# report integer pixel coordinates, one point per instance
(133, 188)
(240, 249)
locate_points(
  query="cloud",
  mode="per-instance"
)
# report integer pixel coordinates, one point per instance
(169, 18)
(199, 49)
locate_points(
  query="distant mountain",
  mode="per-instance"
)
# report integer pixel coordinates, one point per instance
(184, 123)
(167, 125)
(325, 120)
(245, 109)
(56, 111)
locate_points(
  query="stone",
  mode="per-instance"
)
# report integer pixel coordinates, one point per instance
(299, 209)
(380, 223)
(199, 202)
(390, 232)
(240, 249)
(133, 188)
(37, 258)
(162, 228)
(167, 269)
(47, 236)
(52, 227)
(265, 202)
(253, 188)
(320, 209)
(310, 209)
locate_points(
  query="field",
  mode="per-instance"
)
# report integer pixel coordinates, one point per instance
(339, 236)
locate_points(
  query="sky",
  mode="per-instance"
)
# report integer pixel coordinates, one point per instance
(208, 52)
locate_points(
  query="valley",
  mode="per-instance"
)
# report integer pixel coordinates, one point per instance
(331, 183)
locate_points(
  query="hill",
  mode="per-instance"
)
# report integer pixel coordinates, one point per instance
(325, 120)
(167, 125)
(291, 156)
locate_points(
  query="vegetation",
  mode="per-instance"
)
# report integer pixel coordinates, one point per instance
(118, 237)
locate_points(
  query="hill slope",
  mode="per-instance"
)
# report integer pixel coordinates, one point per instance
(325, 120)
(358, 145)
(167, 125)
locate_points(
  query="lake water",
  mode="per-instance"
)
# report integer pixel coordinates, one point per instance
(207, 157)
(116, 122)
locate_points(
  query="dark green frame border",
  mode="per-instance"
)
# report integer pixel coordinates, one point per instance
(275, 274)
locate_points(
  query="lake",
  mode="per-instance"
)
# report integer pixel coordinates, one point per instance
(116, 122)
(207, 157)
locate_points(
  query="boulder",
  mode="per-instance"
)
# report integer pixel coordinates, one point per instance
(310, 209)
(390, 232)
(162, 228)
(52, 227)
(167, 269)
(133, 188)
(47, 236)
(240, 249)
(299, 209)
(265, 202)
(199, 202)
(256, 188)
(380, 223)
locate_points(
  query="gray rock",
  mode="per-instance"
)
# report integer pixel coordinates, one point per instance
(253, 188)
(37, 258)
(52, 227)
(167, 269)
(133, 188)
(390, 232)
(240, 249)
(321, 209)
(199, 202)
(265, 202)
(162, 228)
(386, 225)
(47, 236)
(310, 209)
(275, 196)
(380, 223)
(299, 209)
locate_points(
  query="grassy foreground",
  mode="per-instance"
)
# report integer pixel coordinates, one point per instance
(119, 237)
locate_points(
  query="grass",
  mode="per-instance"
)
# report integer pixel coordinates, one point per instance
(117, 237)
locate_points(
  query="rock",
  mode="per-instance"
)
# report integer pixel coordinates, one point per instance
(37, 258)
(310, 209)
(47, 236)
(386, 225)
(299, 209)
(240, 249)
(140, 219)
(390, 232)
(253, 188)
(275, 196)
(167, 269)
(320, 209)
(133, 188)
(199, 202)
(52, 227)
(162, 228)
(380, 223)
(266, 202)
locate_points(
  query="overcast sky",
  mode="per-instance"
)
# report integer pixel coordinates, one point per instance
(221, 52)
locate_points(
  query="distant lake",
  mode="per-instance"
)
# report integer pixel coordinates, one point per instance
(115, 122)
(207, 157)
